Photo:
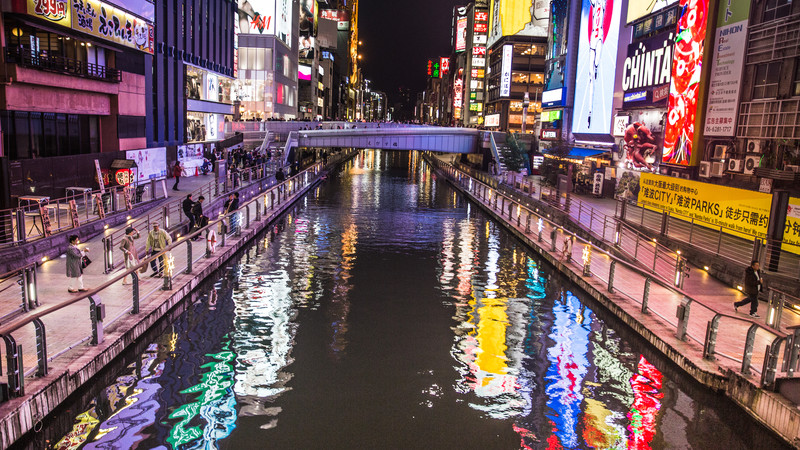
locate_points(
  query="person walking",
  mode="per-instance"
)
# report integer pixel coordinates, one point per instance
(566, 252)
(129, 253)
(74, 265)
(157, 240)
(187, 211)
(753, 284)
(177, 171)
(279, 175)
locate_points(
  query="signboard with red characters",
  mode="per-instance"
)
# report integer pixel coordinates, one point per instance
(679, 131)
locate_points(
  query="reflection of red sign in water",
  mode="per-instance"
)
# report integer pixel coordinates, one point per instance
(647, 397)
(688, 61)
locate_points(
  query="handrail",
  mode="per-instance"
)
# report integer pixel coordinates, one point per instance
(60, 64)
(710, 340)
(14, 326)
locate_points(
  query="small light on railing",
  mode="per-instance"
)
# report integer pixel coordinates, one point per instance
(679, 252)
(655, 240)
(128, 218)
(105, 227)
(739, 288)
(179, 235)
(44, 258)
(706, 268)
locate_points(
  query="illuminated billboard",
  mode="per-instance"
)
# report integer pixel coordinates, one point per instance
(505, 75)
(257, 17)
(597, 65)
(639, 9)
(518, 17)
(461, 34)
(683, 89)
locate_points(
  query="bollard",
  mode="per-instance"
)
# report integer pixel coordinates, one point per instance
(97, 312)
(709, 347)
(794, 351)
(770, 367)
(258, 211)
(41, 348)
(553, 235)
(683, 318)
(188, 256)
(528, 224)
(646, 294)
(135, 291)
(16, 375)
(20, 214)
(247, 218)
(611, 271)
(540, 224)
(108, 253)
(30, 297)
(775, 308)
(618, 234)
(586, 256)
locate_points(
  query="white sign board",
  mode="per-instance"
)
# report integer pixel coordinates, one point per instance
(150, 163)
(505, 74)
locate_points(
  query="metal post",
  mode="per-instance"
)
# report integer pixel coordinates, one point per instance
(97, 312)
(711, 338)
(747, 355)
(756, 250)
(793, 352)
(165, 216)
(247, 217)
(611, 271)
(719, 242)
(664, 219)
(683, 318)
(188, 256)
(258, 211)
(655, 255)
(646, 294)
(20, 225)
(16, 375)
(41, 348)
(135, 291)
(528, 224)
(224, 233)
(771, 362)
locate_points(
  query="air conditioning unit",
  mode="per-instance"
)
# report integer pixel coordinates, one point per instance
(719, 151)
(717, 169)
(753, 146)
(750, 164)
(705, 169)
(792, 168)
(734, 165)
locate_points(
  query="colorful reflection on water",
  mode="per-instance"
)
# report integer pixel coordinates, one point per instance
(386, 312)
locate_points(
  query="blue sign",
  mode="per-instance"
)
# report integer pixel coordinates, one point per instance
(638, 96)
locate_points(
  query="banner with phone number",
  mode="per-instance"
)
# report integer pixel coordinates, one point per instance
(738, 212)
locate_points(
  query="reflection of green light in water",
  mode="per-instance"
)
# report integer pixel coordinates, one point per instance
(215, 383)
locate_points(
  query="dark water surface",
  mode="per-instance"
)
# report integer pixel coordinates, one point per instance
(387, 312)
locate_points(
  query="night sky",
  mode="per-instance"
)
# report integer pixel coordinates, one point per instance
(399, 37)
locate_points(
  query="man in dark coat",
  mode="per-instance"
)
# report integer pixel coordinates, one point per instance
(752, 286)
(187, 205)
(197, 212)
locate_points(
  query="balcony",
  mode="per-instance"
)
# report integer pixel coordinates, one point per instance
(62, 65)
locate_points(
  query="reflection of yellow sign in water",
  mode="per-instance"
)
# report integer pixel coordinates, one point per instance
(738, 212)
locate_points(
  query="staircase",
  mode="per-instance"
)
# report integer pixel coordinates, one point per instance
(499, 147)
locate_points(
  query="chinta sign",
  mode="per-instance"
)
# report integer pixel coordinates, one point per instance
(648, 64)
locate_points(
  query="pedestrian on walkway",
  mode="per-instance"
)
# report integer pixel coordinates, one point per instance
(566, 253)
(753, 284)
(187, 211)
(177, 171)
(279, 175)
(129, 253)
(197, 211)
(74, 267)
(157, 240)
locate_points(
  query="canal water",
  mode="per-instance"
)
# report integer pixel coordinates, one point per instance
(386, 311)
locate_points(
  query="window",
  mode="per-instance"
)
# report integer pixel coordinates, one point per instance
(33, 134)
(766, 82)
(775, 9)
(796, 87)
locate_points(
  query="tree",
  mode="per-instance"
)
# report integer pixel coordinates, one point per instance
(559, 151)
(513, 153)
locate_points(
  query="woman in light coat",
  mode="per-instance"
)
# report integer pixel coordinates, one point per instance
(74, 269)
(129, 253)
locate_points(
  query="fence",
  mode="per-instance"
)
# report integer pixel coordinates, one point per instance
(178, 258)
(752, 346)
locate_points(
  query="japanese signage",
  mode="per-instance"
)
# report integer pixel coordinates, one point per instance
(597, 184)
(434, 69)
(98, 202)
(639, 9)
(648, 64)
(620, 125)
(73, 214)
(599, 38)
(458, 93)
(47, 229)
(97, 19)
(791, 235)
(663, 20)
(551, 116)
(492, 120)
(550, 134)
(553, 97)
(683, 92)
(505, 75)
(444, 65)
(126, 193)
(726, 68)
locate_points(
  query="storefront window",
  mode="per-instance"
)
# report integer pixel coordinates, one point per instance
(204, 127)
(35, 135)
(209, 86)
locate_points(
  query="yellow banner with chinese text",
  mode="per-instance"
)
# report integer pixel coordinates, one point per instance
(113, 24)
(791, 235)
(55, 11)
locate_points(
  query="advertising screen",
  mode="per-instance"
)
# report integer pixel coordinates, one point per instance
(461, 34)
(518, 17)
(638, 9)
(648, 64)
(304, 72)
(257, 17)
(558, 34)
(597, 64)
(150, 162)
(283, 18)
(683, 90)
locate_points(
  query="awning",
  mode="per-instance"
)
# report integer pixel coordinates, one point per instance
(581, 153)
(123, 164)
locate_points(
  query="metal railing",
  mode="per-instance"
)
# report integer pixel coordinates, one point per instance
(271, 200)
(691, 319)
(26, 223)
(68, 66)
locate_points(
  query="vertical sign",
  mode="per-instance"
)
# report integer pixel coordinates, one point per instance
(101, 212)
(126, 193)
(461, 34)
(47, 230)
(505, 75)
(73, 214)
(726, 68)
(597, 187)
(100, 176)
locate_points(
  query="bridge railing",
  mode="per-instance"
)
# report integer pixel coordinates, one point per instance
(690, 319)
